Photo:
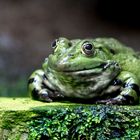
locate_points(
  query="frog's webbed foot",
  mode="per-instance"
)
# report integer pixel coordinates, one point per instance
(119, 100)
(43, 96)
(40, 88)
(47, 96)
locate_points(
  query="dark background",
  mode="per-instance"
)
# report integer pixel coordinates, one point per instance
(27, 28)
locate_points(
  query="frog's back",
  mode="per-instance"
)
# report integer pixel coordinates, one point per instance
(114, 45)
(125, 56)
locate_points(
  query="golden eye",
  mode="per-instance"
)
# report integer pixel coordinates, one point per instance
(88, 48)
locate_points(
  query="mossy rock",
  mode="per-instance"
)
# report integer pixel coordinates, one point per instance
(25, 119)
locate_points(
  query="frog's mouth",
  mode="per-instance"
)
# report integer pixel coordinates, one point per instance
(112, 66)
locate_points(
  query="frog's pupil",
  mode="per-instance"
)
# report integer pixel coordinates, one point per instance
(88, 47)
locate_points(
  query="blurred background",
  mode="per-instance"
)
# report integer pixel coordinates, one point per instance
(27, 28)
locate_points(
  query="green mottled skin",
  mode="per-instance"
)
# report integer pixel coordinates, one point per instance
(100, 70)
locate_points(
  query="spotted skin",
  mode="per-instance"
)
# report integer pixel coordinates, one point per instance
(101, 70)
(39, 89)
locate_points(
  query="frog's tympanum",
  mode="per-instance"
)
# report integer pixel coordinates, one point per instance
(100, 70)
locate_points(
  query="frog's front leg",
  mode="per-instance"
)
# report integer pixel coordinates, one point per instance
(40, 88)
(129, 91)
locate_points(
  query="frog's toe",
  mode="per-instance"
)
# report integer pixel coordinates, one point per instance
(115, 102)
(112, 101)
(59, 95)
(43, 96)
(121, 100)
(102, 101)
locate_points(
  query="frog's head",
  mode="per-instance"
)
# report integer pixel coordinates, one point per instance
(81, 56)
(76, 64)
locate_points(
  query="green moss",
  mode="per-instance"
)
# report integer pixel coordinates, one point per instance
(16, 104)
(92, 122)
(15, 122)
(22, 117)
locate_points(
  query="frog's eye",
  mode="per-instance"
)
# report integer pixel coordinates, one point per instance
(88, 48)
(53, 45)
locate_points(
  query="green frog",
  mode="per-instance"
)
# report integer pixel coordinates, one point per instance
(100, 70)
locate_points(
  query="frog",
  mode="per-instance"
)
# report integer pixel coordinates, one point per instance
(99, 71)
